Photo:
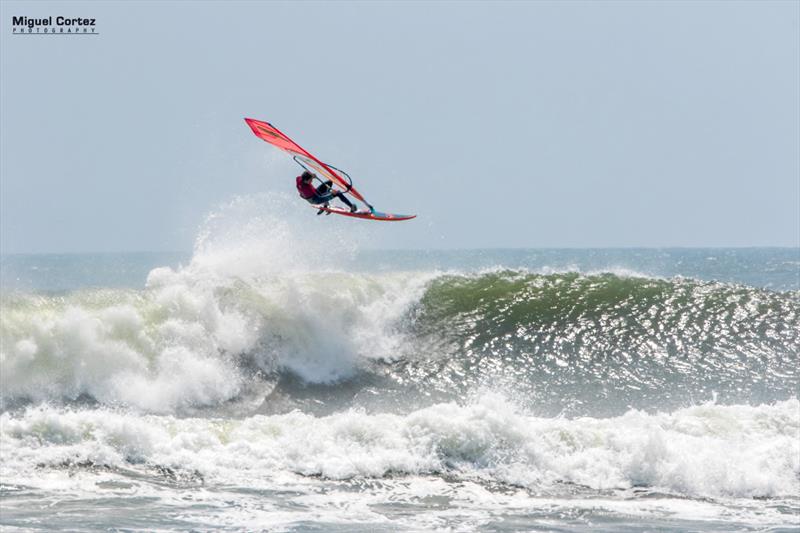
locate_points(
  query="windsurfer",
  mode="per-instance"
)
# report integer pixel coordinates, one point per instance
(321, 195)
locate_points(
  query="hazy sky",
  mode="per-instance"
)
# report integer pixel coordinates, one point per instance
(499, 124)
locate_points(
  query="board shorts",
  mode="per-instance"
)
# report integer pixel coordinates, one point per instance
(324, 194)
(320, 199)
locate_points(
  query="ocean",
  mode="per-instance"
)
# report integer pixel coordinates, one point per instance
(284, 384)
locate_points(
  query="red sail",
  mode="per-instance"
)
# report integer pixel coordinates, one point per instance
(277, 138)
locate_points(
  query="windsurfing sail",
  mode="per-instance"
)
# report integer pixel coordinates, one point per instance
(277, 138)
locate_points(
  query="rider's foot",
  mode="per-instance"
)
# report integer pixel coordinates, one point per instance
(353, 208)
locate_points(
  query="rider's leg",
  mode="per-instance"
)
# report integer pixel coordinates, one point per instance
(346, 201)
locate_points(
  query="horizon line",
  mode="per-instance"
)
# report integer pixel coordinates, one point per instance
(477, 249)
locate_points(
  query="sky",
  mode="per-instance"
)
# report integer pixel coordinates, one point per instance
(521, 124)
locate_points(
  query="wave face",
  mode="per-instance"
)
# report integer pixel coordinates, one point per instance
(609, 339)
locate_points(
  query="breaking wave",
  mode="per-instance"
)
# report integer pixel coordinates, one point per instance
(193, 340)
(265, 318)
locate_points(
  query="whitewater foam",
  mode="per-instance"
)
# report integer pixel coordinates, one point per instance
(704, 451)
(182, 341)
